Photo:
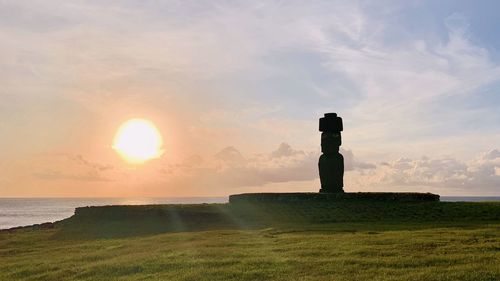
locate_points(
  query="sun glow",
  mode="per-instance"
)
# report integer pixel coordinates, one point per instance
(138, 140)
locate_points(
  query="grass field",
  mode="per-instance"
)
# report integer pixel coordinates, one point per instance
(342, 241)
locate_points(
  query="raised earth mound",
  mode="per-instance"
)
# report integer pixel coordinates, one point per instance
(123, 221)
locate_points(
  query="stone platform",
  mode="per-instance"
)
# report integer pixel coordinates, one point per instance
(349, 196)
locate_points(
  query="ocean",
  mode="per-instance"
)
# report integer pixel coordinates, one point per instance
(27, 211)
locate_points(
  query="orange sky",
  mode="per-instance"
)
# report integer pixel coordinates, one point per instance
(236, 91)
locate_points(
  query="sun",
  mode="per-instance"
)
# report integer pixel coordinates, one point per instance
(138, 140)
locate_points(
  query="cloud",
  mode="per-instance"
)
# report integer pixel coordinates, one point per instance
(230, 155)
(404, 88)
(352, 163)
(91, 165)
(229, 168)
(70, 167)
(446, 174)
(89, 176)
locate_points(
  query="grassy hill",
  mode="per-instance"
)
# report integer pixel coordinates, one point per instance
(119, 221)
(361, 240)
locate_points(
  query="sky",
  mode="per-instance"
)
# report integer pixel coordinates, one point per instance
(236, 89)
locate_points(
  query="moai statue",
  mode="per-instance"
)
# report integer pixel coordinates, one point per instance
(331, 162)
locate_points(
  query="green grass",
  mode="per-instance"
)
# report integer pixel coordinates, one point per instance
(355, 241)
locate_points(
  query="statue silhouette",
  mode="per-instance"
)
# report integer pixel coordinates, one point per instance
(331, 162)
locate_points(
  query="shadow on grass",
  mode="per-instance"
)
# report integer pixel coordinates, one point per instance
(129, 221)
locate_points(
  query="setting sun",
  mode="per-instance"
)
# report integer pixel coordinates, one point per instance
(138, 140)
